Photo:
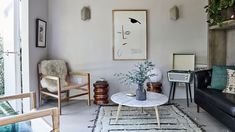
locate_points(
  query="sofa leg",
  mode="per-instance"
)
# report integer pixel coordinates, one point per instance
(198, 109)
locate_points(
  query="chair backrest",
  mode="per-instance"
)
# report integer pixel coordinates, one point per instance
(56, 68)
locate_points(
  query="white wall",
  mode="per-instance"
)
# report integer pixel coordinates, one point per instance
(87, 46)
(37, 9)
(31, 9)
(230, 47)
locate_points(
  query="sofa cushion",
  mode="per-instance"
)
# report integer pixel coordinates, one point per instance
(230, 88)
(223, 101)
(219, 77)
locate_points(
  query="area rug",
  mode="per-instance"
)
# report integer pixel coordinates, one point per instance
(135, 120)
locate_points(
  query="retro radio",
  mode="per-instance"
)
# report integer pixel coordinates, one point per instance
(179, 76)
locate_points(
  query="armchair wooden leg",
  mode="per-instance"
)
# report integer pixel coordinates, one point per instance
(56, 120)
(59, 95)
(89, 90)
(67, 96)
(59, 102)
(89, 98)
(40, 98)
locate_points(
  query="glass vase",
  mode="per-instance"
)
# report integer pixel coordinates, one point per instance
(140, 93)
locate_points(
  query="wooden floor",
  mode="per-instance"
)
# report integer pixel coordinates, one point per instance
(77, 116)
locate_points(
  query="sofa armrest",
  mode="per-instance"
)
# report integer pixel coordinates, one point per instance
(202, 79)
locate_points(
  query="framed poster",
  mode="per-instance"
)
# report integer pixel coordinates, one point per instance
(129, 34)
(41, 33)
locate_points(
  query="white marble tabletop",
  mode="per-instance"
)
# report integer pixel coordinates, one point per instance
(153, 99)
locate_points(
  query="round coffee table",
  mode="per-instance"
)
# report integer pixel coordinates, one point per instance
(153, 100)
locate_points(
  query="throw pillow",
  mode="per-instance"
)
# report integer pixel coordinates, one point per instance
(230, 88)
(219, 77)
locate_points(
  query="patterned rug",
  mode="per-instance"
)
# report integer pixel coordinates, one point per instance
(134, 120)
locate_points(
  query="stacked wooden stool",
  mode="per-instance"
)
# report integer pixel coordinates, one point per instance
(101, 92)
(154, 87)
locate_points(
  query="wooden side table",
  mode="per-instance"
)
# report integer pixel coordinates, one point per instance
(154, 87)
(101, 92)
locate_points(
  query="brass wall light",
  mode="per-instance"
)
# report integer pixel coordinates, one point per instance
(85, 13)
(174, 13)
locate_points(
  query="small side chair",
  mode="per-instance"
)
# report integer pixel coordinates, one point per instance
(55, 79)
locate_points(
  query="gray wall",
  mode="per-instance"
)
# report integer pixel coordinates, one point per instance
(230, 47)
(87, 46)
(37, 9)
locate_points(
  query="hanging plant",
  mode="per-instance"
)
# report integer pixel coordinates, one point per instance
(215, 11)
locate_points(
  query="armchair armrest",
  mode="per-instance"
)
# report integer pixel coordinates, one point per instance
(51, 77)
(31, 95)
(53, 112)
(202, 79)
(79, 74)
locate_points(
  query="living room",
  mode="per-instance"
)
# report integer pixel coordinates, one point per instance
(85, 35)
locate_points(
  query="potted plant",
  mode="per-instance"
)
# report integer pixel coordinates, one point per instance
(138, 76)
(219, 11)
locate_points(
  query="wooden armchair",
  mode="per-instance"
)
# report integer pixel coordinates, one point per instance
(57, 71)
(53, 112)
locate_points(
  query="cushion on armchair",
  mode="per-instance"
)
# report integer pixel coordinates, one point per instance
(56, 68)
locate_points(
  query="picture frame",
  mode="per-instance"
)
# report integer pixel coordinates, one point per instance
(41, 29)
(184, 61)
(129, 34)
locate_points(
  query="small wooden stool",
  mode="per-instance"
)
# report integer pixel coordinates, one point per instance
(101, 92)
(154, 87)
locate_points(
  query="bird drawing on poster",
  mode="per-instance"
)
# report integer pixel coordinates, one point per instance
(134, 20)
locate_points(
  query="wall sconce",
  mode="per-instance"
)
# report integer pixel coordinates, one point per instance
(85, 13)
(174, 13)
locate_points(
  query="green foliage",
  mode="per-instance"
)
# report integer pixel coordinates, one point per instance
(1, 67)
(214, 10)
(138, 75)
